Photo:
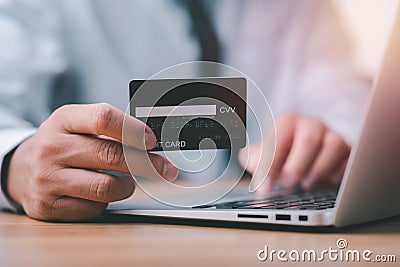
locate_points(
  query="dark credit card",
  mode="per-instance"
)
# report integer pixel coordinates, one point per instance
(192, 114)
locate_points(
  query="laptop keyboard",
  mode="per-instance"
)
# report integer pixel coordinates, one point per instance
(296, 201)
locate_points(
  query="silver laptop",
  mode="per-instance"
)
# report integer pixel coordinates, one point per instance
(369, 189)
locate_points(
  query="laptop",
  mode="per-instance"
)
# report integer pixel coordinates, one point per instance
(369, 189)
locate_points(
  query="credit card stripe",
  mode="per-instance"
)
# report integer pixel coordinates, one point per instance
(167, 111)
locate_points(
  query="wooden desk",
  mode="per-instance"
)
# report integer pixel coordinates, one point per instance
(120, 240)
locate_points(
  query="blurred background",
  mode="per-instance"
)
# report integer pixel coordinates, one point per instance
(368, 24)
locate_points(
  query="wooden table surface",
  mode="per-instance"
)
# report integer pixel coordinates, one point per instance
(123, 240)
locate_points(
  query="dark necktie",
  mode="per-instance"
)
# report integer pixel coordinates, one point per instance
(203, 29)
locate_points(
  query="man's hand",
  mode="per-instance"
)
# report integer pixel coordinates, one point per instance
(52, 173)
(307, 154)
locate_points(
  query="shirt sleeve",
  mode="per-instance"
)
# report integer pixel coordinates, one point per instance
(299, 55)
(9, 140)
(327, 84)
(30, 58)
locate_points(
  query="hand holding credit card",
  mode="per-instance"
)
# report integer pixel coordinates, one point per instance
(183, 113)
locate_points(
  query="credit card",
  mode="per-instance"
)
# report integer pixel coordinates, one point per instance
(192, 114)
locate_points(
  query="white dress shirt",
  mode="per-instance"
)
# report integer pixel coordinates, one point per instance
(57, 52)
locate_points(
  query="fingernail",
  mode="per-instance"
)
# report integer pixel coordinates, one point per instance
(149, 138)
(169, 171)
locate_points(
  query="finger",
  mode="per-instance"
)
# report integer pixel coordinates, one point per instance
(91, 185)
(330, 159)
(306, 145)
(94, 153)
(260, 160)
(330, 182)
(274, 148)
(70, 209)
(337, 179)
(285, 129)
(249, 157)
(104, 119)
